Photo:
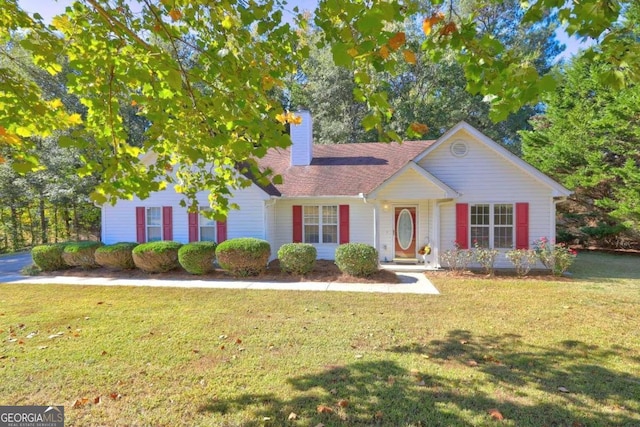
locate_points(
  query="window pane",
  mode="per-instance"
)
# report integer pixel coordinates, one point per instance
(154, 234)
(503, 237)
(330, 234)
(311, 234)
(480, 236)
(207, 234)
(206, 222)
(503, 215)
(311, 214)
(479, 214)
(154, 216)
(329, 215)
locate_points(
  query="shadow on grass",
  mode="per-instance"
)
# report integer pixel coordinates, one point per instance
(467, 376)
(602, 266)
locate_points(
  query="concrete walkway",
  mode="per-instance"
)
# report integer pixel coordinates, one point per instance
(411, 283)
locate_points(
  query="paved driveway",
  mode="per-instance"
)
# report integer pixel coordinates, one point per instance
(10, 265)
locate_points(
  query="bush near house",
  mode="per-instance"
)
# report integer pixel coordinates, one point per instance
(81, 254)
(297, 258)
(49, 257)
(245, 256)
(357, 259)
(117, 256)
(157, 257)
(197, 257)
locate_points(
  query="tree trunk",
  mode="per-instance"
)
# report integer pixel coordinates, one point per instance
(43, 220)
(76, 224)
(55, 224)
(67, 223)
(14, 229)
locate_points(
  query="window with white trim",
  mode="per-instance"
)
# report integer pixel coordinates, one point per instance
(207, 229)
(491, 225)
(320, 224)
(154, 224)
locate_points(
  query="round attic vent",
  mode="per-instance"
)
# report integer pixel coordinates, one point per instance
(459, 148)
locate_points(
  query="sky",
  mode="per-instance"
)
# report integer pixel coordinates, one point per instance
(49, 8)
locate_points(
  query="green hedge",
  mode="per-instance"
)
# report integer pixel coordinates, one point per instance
(117, 256)
(157, 257)
(245, 256)
(81, 254)
(357, 259)
(49, 257)
(197, 257)
(297, 258)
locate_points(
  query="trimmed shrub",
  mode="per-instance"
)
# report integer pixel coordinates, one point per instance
(117, 256)
(49, 257)
(81, 254)
(197, 257)
(156, 257)
(243, 256)
(357, 259)
(297, 258)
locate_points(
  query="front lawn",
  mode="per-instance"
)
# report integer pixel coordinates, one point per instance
(530, 352)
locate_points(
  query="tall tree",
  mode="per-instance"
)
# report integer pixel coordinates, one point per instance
(589, 139)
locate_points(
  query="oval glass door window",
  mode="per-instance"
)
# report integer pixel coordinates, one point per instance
(404, 229)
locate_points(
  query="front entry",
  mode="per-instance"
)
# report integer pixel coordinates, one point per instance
(405, 232)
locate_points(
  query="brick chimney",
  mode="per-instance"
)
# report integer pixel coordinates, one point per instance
(302, 140)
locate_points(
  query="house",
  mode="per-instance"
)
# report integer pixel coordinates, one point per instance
(460, 188)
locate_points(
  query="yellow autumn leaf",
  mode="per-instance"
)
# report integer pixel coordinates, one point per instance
(353, 52)
(267, 82)
(8, 138)
(296, 120)
(61, 23)
(281, 118)
(56, 103)
(74, 119)
(426, 26)
(227, 23)
(409, 56)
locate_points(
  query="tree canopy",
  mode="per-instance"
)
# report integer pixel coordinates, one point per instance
(202, 75)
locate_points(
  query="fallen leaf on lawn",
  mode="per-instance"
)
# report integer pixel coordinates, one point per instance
(472, 363)
(12, 339)
(391, 380)
(563, 389)
(425, 356)
(292, 416)
(104, 353)
(20, 342)
(577, 424)
(266, 418)
(359, 356)
(100, 302)
(221, 347)
(319, 425)
(379, 415)
(42, 347)
(343, 403)
(415, 373)
(4, 356)
(222, 337)
(495, 414)
(57, 335)
(32, 334)
(238, 341)
(75, 334)
(80, 403)
(333, 391)
(463, 342)
(323, 409)
(115, 396)
(196, 351)
(21, 326)
(97, 400)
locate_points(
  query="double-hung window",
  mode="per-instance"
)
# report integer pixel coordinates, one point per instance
(320, 224)
(207, 229)
(154, 224)
(491, 225)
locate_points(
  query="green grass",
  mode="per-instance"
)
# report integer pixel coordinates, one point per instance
(251, 358)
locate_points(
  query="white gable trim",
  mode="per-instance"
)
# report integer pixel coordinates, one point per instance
(558, 190)
(447, 192)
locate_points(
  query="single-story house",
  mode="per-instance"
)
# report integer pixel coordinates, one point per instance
(398, 197)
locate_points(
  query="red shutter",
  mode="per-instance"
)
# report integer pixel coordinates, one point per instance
(141, 235)
(522, 225)
(221, 231)
(344, 224)
(193, 226)
(297, 224)
(167, 223)
(462, 225)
